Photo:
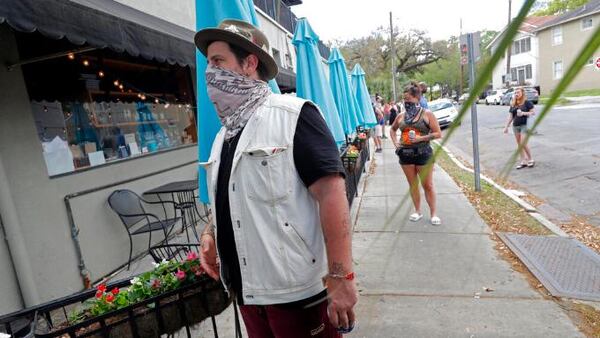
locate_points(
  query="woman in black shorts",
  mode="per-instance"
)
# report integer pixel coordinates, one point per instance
(520, 110)
(418, 127)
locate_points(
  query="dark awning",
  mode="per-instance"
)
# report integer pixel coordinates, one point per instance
(103, 24)
(286, 79)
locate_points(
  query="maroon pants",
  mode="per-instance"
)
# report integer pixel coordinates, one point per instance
(279, 321)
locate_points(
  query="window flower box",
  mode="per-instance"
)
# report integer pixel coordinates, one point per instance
(172, 296)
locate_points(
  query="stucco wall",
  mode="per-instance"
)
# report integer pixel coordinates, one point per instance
(39, 199)
(9, 290)
(179, 12)
(573, 41)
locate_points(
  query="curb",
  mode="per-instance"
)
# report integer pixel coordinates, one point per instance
(531, 210)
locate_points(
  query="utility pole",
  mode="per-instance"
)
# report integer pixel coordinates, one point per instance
(509, 50)
(393, 53)
(460, 53)
(474, 130)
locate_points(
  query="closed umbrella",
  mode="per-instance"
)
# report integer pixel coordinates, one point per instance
(209, 13)
(359, 83)
(311, 82)
(342, 93)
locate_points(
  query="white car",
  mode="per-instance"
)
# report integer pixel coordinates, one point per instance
(444, 110)
(495, 97)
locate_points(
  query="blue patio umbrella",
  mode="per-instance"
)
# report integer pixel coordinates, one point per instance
(363, 98)
(343, 94)
(209, 13)
(311, 82)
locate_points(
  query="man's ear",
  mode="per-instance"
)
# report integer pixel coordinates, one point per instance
(251, 65)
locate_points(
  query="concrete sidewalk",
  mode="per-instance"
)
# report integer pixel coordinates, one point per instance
(417, 280)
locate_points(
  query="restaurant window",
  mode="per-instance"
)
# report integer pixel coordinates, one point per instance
(276, 57)
(100, 106)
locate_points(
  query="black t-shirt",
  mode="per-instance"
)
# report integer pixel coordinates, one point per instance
(527, 106)
(315, 156)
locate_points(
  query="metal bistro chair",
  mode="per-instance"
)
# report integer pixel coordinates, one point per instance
(128, 206)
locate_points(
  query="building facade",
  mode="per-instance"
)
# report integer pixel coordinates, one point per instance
(524, 56)
(560, 41)
(103, 105)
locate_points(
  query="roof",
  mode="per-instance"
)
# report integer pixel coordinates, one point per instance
(592, 7)
(529, 26)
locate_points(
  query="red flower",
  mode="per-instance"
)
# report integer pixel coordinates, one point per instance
(102, 287)
(110, 298)
(192, 256)
(99, 294)
(115, 291)
(156, 283)
(180, 274)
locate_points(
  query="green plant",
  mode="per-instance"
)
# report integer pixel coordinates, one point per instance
(166, 276)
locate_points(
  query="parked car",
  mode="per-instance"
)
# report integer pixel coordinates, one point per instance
(463, 98)
(444, 110)
(507, 97)
(530, 93)
(495, 97)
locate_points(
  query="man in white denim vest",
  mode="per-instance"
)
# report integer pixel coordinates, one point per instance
(281, 236)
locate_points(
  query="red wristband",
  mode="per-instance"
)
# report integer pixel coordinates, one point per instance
(348, 276)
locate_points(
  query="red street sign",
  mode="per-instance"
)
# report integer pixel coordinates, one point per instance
(598, 63)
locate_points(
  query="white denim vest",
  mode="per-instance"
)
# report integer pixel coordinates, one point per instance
(275, 219)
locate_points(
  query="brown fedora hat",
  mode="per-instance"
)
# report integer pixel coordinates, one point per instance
(242, 35)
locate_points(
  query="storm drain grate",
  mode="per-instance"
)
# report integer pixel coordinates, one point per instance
(565, 266)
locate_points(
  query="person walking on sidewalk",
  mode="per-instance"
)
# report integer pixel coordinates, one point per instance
(423, 100)
(520, 109)
(393, 111)
(379, 126)
(418, 126)
(281, 237)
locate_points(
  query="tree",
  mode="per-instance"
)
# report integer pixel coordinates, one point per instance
(554, 7)
(413, 51)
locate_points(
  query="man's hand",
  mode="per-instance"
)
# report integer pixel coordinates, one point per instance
(342, 298)
(506, 130)
(208, 256)
(330, 192)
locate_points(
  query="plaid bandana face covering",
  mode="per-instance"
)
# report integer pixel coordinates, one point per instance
(235, 97)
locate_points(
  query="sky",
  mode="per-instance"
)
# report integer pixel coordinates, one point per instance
(348, 19)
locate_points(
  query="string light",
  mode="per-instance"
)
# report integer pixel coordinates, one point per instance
(121, 86)
(143, 97)
(156, 101)
(116, 83)
(86, 63)
(167, 105)
(101, 74)
(71, 56)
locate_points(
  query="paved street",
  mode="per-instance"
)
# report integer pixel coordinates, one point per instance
(566, 150)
